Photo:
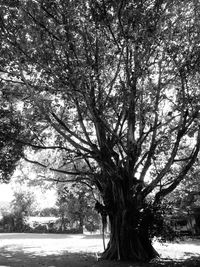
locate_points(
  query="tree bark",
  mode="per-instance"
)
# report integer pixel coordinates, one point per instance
(81, 223)
(129, 238)
(63, 223)
(131, 221)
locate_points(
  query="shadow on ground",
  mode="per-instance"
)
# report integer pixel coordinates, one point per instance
(193, 261)
(20, 258)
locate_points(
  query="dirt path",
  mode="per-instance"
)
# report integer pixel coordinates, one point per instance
(59, 250)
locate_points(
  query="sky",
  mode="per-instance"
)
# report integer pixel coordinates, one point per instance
(6, 192)
(44, 199)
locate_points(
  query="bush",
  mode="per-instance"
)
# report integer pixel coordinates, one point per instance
(39, 228)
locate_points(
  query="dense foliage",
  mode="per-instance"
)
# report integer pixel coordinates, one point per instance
(14, 217)
(10, 150)
(75, 205)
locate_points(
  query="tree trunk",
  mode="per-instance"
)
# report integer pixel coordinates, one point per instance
(63, 223)
(81, 224)
(128, 240)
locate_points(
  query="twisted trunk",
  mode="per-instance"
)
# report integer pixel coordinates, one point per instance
(130, 224)
(128, 242)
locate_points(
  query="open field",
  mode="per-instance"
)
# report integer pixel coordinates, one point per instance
(61, 250)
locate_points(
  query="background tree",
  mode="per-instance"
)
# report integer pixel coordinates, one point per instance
(7, 219)
(15, 213)
(113, 84)
(23, 205)
(76, 205)
(48, 212)
(185, 199)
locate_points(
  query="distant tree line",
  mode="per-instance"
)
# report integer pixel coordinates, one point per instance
(74, 211)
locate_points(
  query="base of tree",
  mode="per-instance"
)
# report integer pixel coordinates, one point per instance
(137, 250)
(128, 242)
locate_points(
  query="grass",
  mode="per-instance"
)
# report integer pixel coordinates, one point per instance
(60, 250)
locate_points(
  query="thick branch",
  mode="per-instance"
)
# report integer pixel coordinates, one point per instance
(72, 133)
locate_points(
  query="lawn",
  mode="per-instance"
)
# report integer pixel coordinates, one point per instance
(61, 250)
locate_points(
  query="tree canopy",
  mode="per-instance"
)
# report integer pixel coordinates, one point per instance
(10, 150)
(111, 88)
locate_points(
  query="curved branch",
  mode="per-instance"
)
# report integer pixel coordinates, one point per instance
(56, 170)
(42, 147)
(182, 174)
(181, 131)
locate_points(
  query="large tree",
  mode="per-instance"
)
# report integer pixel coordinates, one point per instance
(113, 85)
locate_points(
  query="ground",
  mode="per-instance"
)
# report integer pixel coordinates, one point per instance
(60, 250)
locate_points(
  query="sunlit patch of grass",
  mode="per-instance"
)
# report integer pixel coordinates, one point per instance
(179, 250)
(80, 251)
